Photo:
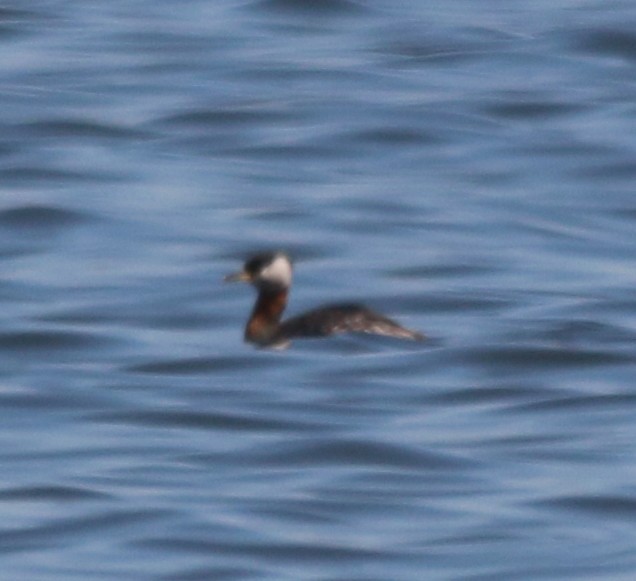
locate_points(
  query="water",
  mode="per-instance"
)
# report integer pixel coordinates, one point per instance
(464, 167)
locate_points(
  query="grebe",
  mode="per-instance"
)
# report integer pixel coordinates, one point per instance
(271, 274)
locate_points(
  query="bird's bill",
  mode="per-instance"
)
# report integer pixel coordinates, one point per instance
(241, 276)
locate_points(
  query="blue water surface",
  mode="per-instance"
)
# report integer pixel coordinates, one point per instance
(465, 167)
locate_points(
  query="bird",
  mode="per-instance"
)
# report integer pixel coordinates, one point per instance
(271, 274)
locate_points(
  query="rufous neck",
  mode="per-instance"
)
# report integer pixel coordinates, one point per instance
(266, 315)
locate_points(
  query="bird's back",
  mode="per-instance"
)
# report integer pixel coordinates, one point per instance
(344, 318)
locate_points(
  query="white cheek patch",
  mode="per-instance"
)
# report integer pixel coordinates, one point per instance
(278, 272)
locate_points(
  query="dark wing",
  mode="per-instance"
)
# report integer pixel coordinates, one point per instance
(348, 318)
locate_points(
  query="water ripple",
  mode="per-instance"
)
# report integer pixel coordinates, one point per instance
(46, 176)
(521, 356)
(595, 403)
(39, 216)
(199, 365)
(520, 107)
(607, 506)
(608, 41)
(80, 128)
(302, 7)
(41, 341)
(351, 453)
(51, 493)
(203, 420)
(60, 531)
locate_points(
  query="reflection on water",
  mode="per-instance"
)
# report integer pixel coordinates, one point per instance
(466, 170)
